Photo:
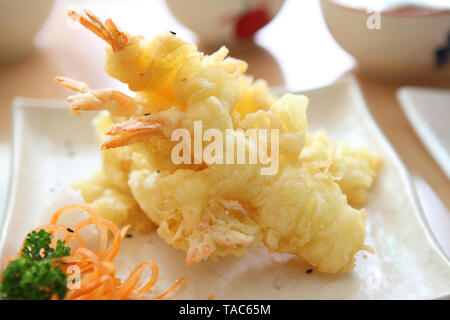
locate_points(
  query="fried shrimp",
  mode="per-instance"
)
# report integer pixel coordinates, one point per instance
(108, 31)
(209, 209)
(114, 101)
(300, 210)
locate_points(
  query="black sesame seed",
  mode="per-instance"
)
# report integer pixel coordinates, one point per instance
(129, 235)
(147, 114)
(309, 271)
(70, 230)
(174, 33)
(157, 171)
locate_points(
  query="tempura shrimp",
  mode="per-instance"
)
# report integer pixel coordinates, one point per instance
(211, 210)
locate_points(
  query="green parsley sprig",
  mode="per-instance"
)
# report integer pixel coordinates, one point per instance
(35, 274)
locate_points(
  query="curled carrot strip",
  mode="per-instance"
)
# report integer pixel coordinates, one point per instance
(178, 283)
(97, 273)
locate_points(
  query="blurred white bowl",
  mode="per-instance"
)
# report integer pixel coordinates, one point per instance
(407, 44)
(218, 21)
(20, 20)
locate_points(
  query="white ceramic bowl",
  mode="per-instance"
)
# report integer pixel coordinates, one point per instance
(218, 21)
(20, 20)
(407, 44)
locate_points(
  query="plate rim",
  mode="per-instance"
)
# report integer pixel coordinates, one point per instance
(18, 105)
(406, 175)
(421, 127)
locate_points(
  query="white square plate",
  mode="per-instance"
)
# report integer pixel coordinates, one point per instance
(53, 148)
(428, 111)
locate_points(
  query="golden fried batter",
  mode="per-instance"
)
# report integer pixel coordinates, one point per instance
(356, 167)
(211, 210)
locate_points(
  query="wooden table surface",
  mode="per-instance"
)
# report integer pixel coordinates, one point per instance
(295, 51)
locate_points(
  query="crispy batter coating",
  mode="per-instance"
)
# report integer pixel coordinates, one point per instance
(299, 211)
(355, 166)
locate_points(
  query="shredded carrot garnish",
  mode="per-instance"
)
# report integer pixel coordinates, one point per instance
(179, 283)
(98, 280)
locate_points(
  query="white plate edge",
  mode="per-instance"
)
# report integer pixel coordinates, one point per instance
(422, 130)
(15, 159)
(404, 173)
(18, 106)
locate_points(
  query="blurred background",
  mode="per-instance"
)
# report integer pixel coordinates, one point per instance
(293, 44)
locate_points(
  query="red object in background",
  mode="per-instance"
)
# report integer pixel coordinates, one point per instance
(251, 22)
